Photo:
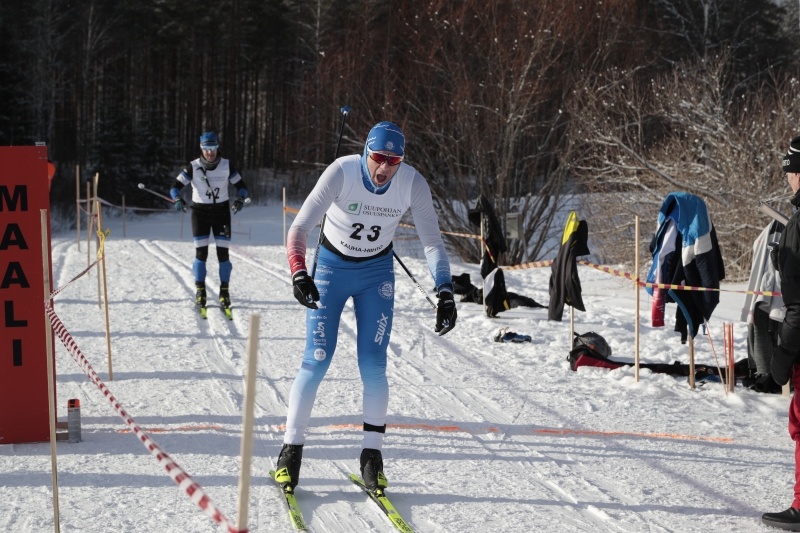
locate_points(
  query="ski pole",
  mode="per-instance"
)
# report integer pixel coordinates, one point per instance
(170, 200)
(345, 110)
(167, 198)
(414, 280)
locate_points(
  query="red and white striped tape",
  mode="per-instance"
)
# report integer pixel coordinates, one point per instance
(76, 278)
(184, 480)
(73, 280)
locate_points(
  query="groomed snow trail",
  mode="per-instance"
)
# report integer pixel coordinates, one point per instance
(483, 436)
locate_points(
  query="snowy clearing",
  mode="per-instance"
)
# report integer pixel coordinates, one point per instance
(483, 436)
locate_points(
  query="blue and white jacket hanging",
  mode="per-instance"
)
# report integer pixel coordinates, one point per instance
(684, 224)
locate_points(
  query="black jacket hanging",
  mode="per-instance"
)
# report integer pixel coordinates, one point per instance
(565, 286)
(496, 297)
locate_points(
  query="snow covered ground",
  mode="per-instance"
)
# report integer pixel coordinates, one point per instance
(470, 446)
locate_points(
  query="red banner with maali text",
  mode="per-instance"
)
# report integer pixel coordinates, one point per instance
(24, 192)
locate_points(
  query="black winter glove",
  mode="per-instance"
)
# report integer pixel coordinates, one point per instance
(179, 205)
(781, 365)
(304, 290)
(773, 254)
(237, 205)
(445, 313)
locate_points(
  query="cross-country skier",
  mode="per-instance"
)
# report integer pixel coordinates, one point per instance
(363, 197)
(784, 365)
(209, 175)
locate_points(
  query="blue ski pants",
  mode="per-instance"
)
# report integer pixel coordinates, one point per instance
(371, 285)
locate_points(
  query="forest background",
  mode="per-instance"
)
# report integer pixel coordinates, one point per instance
(604, 105)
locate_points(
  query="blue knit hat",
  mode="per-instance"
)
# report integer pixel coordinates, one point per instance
(385, 136)
(209, 140)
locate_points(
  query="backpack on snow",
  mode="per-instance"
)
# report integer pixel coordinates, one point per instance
(593, 341)
(590, 349)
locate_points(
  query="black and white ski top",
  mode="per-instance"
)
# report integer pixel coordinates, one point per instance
(209, 186)
(361, 224)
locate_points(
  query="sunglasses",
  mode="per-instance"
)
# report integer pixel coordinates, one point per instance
(209, 147)
(391, 160)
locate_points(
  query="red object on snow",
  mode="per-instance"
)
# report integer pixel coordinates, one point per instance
(584, 360)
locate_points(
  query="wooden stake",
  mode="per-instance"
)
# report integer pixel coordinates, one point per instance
(89, 225)
(691, 360)
(571, 326)
(284, 217)
(636, 299)
(99, 210)
(123, 216)
(785, 390)
(731, 373)
(248, 421)
(78, 203)
(725, 358)
(51, 387)
(105, 294)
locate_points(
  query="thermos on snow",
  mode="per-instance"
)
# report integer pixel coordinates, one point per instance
(74, 420)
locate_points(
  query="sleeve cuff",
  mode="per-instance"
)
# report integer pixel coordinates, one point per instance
(445, 287)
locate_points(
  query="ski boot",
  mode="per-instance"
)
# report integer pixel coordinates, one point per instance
(200, 298)
(788, 520)
(225, 299)
(287, 469)
(372, 470)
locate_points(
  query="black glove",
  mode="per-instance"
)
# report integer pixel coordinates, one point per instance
(237, 205)
(773, 254)
(445, 313)
(304, 290)
(179, 205)
(781, 365)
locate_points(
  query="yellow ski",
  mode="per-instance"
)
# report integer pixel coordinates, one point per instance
(386, 506)
(295, 516)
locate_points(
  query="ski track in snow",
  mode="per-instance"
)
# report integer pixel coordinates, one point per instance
(490, 469)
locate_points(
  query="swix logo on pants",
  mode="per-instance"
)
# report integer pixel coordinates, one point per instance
(382, 323)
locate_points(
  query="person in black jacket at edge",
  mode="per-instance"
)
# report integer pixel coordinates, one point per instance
(786, 259)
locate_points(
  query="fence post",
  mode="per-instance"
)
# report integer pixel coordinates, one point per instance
(51, 389)
(78, 202)
(691, 360)
(248, 421)
(636, 299)
(99, 211)
(731, 362)
(89, 224)
(105, 294)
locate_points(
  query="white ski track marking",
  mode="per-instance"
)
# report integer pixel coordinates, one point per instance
(575, 470)
(218, 363)
(466, 401)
